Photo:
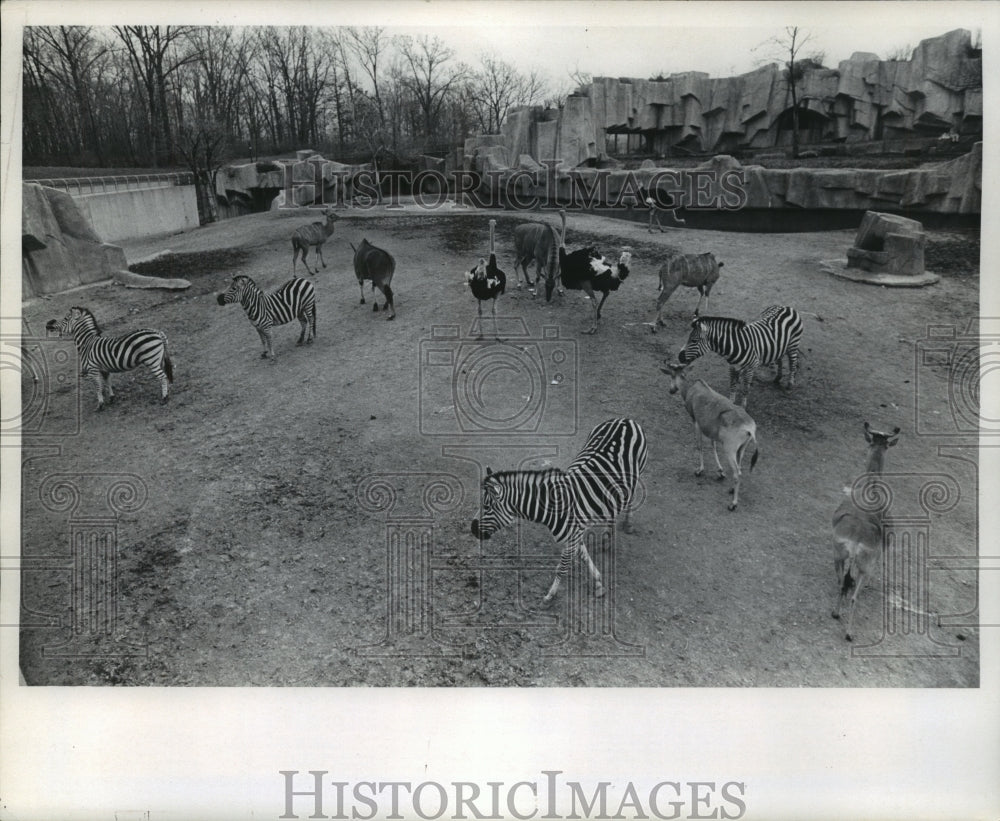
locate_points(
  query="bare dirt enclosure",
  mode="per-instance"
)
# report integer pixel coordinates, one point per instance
(306, 521)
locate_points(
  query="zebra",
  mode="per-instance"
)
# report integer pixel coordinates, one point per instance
(296, 299)
(101, 356)
(598, 485)
(747, 345)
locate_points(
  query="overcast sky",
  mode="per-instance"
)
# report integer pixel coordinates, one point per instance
(626, 39)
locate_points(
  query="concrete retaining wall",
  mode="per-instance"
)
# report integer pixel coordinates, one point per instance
(148, 212)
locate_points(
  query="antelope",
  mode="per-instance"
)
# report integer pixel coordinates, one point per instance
(315, 233)
(699, 271)
(857, 533)
(377, 265)
(535, 241)
(721, 420)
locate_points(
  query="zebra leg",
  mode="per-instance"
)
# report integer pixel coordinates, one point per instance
(746, 377)
(161, 375)
(305, 326)
(99, 383)
(734, 381)
(564, 559)
(107, 386)
(595, 574)
(793, 366)
(777, 379)
(265, 340)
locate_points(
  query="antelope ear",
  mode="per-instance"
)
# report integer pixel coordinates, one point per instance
(868, 433)
(488, 471)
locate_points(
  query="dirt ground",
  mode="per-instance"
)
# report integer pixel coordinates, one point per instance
(306, 521)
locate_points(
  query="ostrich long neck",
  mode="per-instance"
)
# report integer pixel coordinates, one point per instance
(493, 225)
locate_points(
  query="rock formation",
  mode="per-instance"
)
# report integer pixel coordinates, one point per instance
(938, 91)
(60, 249)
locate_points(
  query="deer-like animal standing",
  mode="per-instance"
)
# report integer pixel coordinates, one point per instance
(857, 533)
(315, 233)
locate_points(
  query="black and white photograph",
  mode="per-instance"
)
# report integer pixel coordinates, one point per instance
(499, 410)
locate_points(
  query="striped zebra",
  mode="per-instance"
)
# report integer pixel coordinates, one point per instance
(101, 356)
(748, 345)
(296, 299)
(597, 487)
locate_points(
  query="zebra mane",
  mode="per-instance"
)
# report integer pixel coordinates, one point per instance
(718, 320)
(89, 313)
(500, 474)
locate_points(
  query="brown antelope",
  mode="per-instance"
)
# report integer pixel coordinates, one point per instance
(857, 533)
(377, 265)
(722, 421)
(699, 271)
(535, 241)
(316, 233)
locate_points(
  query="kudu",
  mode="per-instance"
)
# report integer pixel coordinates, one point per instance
(315, 233)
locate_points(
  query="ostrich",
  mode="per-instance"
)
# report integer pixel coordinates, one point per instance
(587, 270)
(487, 281)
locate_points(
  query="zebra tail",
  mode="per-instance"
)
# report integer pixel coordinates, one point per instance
(168, 365)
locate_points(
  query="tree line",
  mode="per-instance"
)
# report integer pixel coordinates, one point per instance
(198, 96)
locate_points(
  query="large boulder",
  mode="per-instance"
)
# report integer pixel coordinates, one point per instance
(59, 248)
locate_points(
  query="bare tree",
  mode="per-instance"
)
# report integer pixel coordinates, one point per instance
(369, 45)
(496, 88)
(77, 52)
(790, 47)
(430, 78)
(156, 53)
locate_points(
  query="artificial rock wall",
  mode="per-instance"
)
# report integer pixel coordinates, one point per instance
(59, 247)
(939, 89)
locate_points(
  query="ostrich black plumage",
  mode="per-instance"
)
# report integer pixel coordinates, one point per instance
(587, 270)
(487, 281)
